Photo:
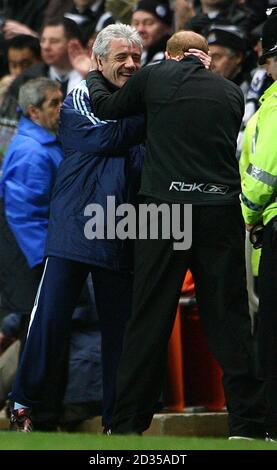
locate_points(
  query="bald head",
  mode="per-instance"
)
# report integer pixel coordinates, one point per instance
(182, 41)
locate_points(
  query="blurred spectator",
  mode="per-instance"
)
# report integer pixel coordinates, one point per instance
(260, 79)
(259, 83)
(228, 47)
(23, 17)
(153, 21)
(29, 172)
(121, 10)
(57, 8)
(55, 38)
(271, 4)
(258, 6)
(3, 64)
(90, 16)
(184, 11)
(22, 52)
(221, 12)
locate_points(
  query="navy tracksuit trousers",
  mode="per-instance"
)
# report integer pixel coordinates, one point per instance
(41, 370)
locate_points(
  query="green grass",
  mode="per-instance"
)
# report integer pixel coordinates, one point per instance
(65, 441)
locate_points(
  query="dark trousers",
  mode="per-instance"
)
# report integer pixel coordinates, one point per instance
(216, 259)
(41, 371)
(267, 331)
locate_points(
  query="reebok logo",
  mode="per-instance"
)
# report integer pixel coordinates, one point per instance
(211, 188)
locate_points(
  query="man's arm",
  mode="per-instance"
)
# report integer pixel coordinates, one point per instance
(127, 101)
(27, 199)
(260, 182)
(80, 130)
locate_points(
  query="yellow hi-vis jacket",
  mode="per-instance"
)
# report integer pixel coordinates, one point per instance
(259, 180)
(246, 156)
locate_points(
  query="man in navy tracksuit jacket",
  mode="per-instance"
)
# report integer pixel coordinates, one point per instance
(100, 161)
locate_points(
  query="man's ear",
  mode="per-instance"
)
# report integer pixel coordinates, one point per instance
(167, 55)
(99, 63)
(239, 58)
(33, 112)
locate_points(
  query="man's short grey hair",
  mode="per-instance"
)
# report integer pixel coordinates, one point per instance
(33, 92)
(115, 31)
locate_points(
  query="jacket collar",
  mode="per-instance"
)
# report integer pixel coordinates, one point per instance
(29, 128)
(192, 59)
(269, 91)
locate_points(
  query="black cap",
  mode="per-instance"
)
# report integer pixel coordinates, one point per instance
(227, 36)
(159, 8)
(269, 39)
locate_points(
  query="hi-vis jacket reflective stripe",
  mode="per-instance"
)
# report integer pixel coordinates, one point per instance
(259, 182)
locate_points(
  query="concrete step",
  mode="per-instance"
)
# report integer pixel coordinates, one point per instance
(164, 424)
(189, 424)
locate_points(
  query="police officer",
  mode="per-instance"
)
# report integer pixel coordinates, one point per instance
(259, 203)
